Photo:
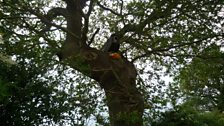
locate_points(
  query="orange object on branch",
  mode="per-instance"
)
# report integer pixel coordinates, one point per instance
(115, 55)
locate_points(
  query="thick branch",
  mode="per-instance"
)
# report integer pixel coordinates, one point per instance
(76, 3)
(73, 44)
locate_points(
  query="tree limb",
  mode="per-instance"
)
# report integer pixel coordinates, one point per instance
(53, 13)
(73, 3)
(86, 22)
(156, 14)
(108, 9)
(45, 20)
(159, 49)
(93, 36)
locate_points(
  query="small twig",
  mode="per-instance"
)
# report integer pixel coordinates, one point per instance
(53, 13)
(47, 22)
(159, 49)
(50, 42)
(108, 9)
(86, 22)
(122, 4)
(92, 38)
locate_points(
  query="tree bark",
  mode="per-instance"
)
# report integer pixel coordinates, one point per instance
(116, 76)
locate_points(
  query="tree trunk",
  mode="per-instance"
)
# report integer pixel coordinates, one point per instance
(123, 99)
(116, 76)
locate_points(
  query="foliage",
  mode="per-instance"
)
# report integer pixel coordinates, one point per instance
(186, 115)
(29, 99)
(199, 87)
(128, 118)
(203, 78)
